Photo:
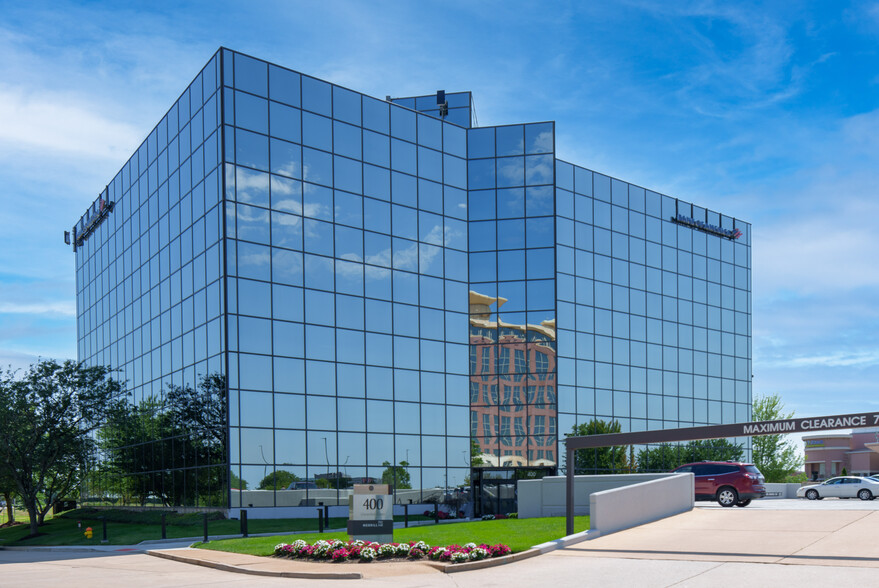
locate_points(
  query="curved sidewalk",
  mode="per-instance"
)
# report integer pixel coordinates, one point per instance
(801, 537)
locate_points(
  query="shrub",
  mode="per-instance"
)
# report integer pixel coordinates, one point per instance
(339, 551)
(387, 550)
(460, 556)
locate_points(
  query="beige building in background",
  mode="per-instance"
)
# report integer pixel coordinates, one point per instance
(827, 455)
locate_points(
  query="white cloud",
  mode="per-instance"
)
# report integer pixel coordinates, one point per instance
(59, 122)
(66, 308)
(857, 359)
(16, 360)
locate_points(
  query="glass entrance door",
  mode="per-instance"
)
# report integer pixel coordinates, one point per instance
(494, 489)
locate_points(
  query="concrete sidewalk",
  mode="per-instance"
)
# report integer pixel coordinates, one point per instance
(801, 537)
(289, 568)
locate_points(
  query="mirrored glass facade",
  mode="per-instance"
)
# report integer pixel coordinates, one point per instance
(306, 287)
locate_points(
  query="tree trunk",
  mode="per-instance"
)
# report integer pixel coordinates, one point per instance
(42, 514)
(32, 513)
(9, 510)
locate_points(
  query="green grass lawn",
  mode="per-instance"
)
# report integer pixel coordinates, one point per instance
(519, 534)
(130, 527)
(20, 516)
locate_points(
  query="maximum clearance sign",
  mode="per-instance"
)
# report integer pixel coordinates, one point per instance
(802, 425)
(819, 424)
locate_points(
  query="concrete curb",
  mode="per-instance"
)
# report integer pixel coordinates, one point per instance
(61, 548)
(568, 540)
(442, 567)
(484, 563)
(241, 570)
(512, 558)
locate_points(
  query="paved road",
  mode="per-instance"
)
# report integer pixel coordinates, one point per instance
(711, 546)
(803, 504)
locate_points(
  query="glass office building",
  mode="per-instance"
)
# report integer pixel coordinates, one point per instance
(294, 277)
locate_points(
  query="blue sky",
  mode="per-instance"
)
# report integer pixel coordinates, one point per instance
(766, 112)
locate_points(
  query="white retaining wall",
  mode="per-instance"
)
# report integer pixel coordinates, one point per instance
(641, 503)
(546, 497)
(782, 490)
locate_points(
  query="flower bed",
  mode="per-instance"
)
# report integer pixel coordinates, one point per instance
(339, 551)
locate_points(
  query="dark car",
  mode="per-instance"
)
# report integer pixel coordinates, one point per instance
(729, 483)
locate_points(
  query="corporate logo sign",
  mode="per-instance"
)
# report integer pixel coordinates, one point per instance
(90, 221)
(703, 226)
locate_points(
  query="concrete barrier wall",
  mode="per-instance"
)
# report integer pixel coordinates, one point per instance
(640, 503)
(778, 491)
(546, 497)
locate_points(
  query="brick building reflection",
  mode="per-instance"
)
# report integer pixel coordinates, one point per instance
(513, 408)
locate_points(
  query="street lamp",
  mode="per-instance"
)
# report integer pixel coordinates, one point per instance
(265, 461)
(327, 456)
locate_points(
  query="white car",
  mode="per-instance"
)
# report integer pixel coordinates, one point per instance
(841, 487)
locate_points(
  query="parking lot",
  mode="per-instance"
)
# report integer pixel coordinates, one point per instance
(803, 504)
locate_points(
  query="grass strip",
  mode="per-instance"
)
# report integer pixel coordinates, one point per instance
(519, 534)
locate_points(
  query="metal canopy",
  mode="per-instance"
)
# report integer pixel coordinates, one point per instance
(781, 427)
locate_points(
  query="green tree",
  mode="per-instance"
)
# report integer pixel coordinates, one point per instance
(137, 443)
(600, 460)
(236, 482)
(278, 480)
(774, 455)
(7, 491)
(661, 458)
(714, 450)
(397, 476)
(47, 417)
(475, 453)
(665, 457)
(157, 448)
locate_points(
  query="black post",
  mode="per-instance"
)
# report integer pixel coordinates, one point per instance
(244, 522)
(206, 528)
(569, 491)
(164, 529)
(436, 513)
(327, 516)
(405, 515)
(320, 520)
(104, 524)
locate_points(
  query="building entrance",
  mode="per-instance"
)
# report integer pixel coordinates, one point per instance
(494, 489)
